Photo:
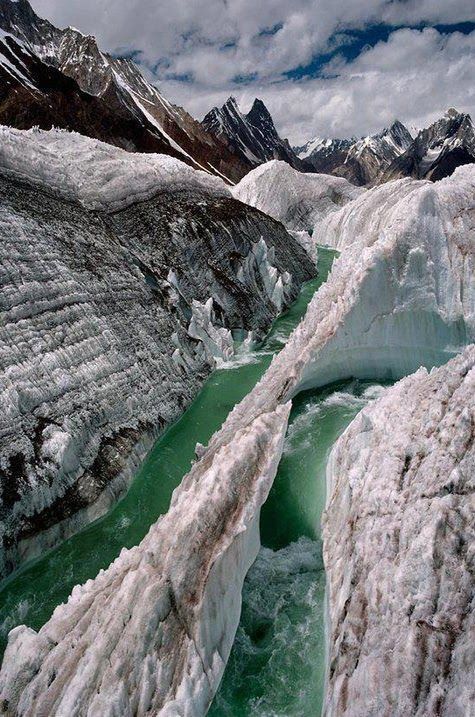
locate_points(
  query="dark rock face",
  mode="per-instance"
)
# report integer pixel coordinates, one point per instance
(437, 150)
(126, 109)
(360, 161)
(95, 355)
(253, 137)
(33, 93)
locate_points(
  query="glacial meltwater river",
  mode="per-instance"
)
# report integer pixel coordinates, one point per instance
(276, 668)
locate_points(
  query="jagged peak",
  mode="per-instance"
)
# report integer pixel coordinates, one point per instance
(231, 102)
(452, 113)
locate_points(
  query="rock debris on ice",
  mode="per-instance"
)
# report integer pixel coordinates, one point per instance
(400, 295)
(108, 262)
(399, 544)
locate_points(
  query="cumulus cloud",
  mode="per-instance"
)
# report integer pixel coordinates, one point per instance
(212, 43)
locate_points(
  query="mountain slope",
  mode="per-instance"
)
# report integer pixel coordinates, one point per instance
(359, 161)
(155, 125)
(253, 137)
(437, 150)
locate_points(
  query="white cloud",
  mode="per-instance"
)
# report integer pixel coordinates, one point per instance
(414, 75)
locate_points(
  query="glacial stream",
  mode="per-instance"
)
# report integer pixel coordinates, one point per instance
(276, 666)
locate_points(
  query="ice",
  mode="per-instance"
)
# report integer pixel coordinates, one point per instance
(153, 632)
(400, 295)
(296, 199)
(97, 175)
(398, 540)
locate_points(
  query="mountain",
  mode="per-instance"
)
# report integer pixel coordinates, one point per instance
(253, 137)
(360, 161)
(110, 99)
(437, 150)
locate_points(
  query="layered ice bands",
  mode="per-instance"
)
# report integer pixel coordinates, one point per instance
(114, 310)
(152, 633)
(399, 546)
(400, 295)
(97, 175)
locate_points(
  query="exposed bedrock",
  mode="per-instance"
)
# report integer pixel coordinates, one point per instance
(99, 345)
(414, 274)
(399, 547)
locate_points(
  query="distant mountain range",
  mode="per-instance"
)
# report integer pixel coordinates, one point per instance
(60, 78)
(433, 153)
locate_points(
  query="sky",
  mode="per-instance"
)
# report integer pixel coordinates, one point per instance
(335, 68)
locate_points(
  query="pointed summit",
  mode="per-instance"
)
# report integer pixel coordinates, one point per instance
(253, 136)
(438, 150)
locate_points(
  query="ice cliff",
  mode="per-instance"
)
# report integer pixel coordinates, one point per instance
(107, 260)
(152, 633)
(399, 545)
(400, 295)
(296, 199)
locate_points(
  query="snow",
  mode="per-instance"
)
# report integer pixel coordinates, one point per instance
(12, 69)
(313, 145)
(296, 199)
(138, 101)
(97, 175)
(398, 532)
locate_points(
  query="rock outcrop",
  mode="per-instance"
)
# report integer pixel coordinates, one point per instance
(399, 541)
(61, 78)
(360, 161)
(106, 257)
(252, 137)
(436, 151)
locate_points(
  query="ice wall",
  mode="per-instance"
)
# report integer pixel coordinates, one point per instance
(396, 298)
(113, 313)
(296, 199)
(399, 541)
(152, 633)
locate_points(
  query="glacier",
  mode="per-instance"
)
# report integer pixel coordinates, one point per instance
(399, 541)
(296, 199)
(152, 633)
(400, 295)
(108, 258)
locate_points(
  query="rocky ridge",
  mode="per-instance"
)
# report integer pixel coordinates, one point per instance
(111, 99)
(253, 137)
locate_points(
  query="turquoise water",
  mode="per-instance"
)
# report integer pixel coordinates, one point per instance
(277, 664)
(276, 667)
(30, 595)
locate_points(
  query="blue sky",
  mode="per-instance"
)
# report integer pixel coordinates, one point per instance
(323, 67)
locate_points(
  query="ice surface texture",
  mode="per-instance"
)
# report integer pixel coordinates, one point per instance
(152, 633)
(401, 294)
(96, 348)
(296, 199)
(399, 542)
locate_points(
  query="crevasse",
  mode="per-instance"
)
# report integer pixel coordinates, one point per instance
(401, 295)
